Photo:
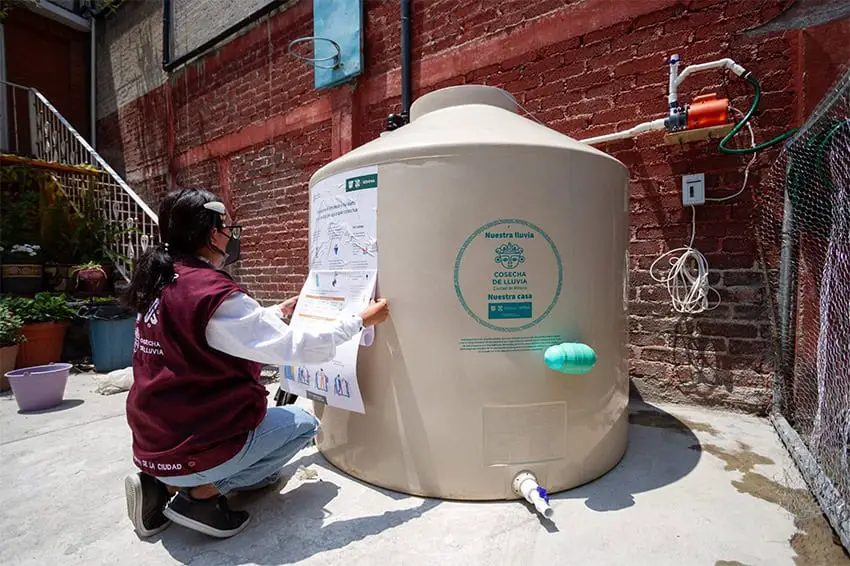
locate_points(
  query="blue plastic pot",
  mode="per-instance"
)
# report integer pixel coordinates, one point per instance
(111, 343)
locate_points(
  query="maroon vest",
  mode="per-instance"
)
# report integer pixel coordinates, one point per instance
(190, 407)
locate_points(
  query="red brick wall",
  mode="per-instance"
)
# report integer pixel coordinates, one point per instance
(246, 121)
(52, 58)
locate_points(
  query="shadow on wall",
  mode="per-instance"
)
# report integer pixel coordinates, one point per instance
(288, 528)
(138, 74)
(109, 143)
(661, 451)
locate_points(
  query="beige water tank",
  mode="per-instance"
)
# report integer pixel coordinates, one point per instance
(497, 238)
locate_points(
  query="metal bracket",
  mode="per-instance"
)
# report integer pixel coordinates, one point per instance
(336, 58)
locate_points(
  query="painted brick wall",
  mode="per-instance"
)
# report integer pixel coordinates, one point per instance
(246, 122)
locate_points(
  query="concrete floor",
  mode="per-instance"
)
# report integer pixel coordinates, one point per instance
(696, 488)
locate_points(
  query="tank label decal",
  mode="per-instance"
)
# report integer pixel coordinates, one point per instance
(509, 344)
(508, 275)
(361, 183)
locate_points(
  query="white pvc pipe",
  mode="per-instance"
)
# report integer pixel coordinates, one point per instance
(720, 63)
(672, 96)
(728, 63)
(639, 129)
(676, 79)
(525, 485)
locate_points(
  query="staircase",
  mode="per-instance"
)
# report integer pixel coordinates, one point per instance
(36, 133)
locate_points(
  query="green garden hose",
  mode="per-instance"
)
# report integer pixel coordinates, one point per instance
(811, 202)
(743, 122)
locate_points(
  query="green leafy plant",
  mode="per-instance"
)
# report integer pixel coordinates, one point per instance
(88, 266)
(19, 215)
(97, 236)
(10, 328)
(44, 307)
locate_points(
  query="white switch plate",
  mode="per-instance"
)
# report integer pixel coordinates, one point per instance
(693, 189)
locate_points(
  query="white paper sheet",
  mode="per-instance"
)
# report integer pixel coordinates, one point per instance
(341, 282)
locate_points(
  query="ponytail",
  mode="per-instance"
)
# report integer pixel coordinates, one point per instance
(185, 227)
(153, 271)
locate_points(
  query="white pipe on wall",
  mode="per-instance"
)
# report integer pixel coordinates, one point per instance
(677, 78)
(672, 96)
(639, 129)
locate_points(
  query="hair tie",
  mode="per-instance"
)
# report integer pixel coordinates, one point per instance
(165, 246)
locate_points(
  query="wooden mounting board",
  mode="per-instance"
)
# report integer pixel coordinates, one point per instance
(701, 134)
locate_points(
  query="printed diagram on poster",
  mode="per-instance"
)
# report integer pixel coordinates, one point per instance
(343, 222)
(341, 282)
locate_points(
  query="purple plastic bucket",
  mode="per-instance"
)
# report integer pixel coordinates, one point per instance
(39, 387)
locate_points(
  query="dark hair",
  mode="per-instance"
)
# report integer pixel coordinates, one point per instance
(185, 227)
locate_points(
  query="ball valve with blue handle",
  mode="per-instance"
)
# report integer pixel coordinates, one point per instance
(570, 357)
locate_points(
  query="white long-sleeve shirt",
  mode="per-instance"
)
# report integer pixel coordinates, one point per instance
(244, 329)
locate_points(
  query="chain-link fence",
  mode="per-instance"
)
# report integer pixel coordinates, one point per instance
(804, 236)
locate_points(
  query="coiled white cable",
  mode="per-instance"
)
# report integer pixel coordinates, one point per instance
(687, 278)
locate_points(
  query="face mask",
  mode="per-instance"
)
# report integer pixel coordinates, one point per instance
(232, 252)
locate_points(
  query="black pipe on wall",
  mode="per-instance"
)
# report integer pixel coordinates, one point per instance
(395, 121)
(406, 85)
(166, 33)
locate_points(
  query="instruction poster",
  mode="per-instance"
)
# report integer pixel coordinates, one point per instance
(341, 282)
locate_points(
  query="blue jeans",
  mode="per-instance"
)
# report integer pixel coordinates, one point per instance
(282, 433)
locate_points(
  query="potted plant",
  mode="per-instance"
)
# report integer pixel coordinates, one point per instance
(45, 321)
(22, 269)
(90, 279)
(10, 338)
(20, 249)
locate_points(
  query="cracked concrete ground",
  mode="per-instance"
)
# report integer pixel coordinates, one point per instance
(696, 487)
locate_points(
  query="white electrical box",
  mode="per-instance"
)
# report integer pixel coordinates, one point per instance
(693, 189)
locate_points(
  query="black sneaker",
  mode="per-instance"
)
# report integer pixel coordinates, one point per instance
(146, 498)
(213, 516)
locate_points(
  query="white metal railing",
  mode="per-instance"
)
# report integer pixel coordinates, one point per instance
(131, 223)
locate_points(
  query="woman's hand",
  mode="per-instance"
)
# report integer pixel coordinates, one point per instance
(287, 307)
(376, 313)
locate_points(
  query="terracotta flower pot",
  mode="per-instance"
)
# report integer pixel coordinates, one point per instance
(44, 344)
(8, 355)
(92, 281)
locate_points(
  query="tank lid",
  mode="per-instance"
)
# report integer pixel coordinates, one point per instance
(462, 95)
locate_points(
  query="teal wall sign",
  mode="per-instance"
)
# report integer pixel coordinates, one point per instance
(340, 21)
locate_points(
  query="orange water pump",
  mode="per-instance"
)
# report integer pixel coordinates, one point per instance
(708, 110)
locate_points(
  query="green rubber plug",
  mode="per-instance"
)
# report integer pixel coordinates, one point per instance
(570, 357)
